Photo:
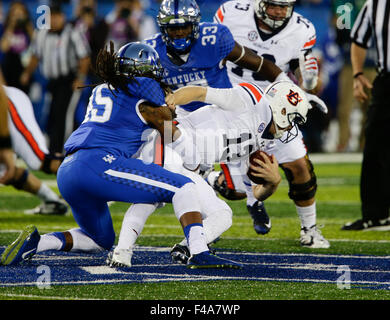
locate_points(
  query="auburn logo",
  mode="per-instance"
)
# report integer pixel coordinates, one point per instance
(293, 98)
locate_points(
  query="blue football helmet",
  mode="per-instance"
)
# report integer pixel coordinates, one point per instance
(136, 59)
(179, 13)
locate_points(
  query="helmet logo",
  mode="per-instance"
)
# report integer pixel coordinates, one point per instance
(294, 98)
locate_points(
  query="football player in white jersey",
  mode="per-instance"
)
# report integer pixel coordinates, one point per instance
(272, 29)
(27, 141)
(237, 122)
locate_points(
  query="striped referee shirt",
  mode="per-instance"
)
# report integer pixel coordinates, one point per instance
(59, 53)
(372, 27)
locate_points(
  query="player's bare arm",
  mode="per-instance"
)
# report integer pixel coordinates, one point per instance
(360, 83)
(186, 95)
(247, 59)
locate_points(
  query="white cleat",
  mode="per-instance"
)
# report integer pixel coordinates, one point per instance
(312, 238)
(119, 258)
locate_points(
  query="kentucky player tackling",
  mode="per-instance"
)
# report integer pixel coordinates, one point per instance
(100, 165)
(273, 30)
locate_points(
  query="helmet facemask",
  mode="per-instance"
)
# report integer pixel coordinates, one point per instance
(175, 14)
(289, 107)
(272, 22)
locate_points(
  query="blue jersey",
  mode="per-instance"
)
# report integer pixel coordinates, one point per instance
(113, 122)
(203, 66)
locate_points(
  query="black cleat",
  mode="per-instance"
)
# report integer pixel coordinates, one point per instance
(180, 254)
(261, 220)
(58, 208)
(374, 225)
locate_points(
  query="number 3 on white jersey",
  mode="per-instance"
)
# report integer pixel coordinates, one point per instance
(99, 106)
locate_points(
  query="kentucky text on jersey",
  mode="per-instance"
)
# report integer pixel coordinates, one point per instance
(184, 79)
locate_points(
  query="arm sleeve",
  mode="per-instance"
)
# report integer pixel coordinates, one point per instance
(227, 99)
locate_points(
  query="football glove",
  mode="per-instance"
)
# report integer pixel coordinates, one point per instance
(317, 102)
(309, 70)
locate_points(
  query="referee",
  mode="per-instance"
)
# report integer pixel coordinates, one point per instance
(372, 26)
(63, 53)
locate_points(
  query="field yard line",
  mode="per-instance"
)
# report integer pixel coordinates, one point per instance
(225, 238)
(96, 270)
(15, 295)
(267, 239)
(112, 281)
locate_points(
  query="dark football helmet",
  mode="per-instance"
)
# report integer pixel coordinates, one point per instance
(179, 13)
(136, 59)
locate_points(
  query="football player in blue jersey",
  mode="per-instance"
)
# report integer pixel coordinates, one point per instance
(100, 165)
(193, 53)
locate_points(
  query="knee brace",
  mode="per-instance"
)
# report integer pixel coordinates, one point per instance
(301, 191)
(47, 161)
(19, 182)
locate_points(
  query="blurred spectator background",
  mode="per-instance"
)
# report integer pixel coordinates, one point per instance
(130, 20)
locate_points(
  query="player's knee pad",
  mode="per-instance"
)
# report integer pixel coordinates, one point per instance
(46, 163)
(302, 191)
(19, 182)
(185, 200)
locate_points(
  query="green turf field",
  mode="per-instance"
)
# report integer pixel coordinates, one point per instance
(337, 203)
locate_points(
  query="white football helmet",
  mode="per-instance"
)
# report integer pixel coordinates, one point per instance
(274, 24)
(289, 105)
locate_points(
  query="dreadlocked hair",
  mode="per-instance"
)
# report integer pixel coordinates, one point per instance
(105, 69)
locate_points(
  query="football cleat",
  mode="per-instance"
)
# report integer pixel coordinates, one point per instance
(207, 260)
(49, 208)
(374, 225)
(312, 238)
(23, 248)
(119, 258)
(261, 220)
(181, 254)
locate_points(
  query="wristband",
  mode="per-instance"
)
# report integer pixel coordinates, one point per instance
(357, 74)
(5, 142)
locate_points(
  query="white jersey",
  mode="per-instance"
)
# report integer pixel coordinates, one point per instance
(283, 48)
(222, 135)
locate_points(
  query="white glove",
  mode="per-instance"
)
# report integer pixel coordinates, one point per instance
(309, 70)
(317, 102)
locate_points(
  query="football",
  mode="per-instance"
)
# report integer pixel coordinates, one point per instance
(257, 155)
